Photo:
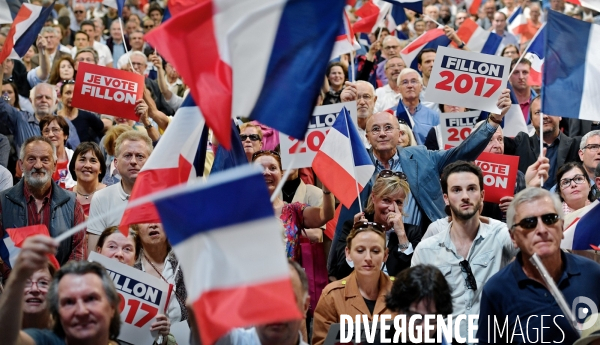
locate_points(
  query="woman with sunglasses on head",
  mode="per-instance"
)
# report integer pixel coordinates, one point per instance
(384, 207)
(573, 187)
(251, 137)
(89, 126)
(296, 216)
(364, 290)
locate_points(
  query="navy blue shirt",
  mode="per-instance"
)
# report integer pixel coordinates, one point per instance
(511, 294)
(552, 154)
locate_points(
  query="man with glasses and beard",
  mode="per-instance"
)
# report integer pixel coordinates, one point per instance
(469, 252)
(37, 200)
(518, 293)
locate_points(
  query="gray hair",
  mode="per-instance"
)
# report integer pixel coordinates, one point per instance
(586, 137)
(88, 50)
(527, 195)
(49, 29)
(81, 268)
(390, 38)
(34, 139)
(138, 53)
(406, 71)
(367, 84)
(133, 135)
(52, 87)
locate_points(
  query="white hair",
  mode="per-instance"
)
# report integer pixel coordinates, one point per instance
(406, 71)
(390, 38)
(587, 137)
(51, 87)
(527, 195)
(368, 85)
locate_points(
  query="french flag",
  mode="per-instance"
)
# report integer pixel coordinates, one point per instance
(473, 6)
(517, 23)
(235, 268)
(6, 13)
(477, 39)
(345, 42)
(342, 163)
(8, 250)
(571, 68)
(397, 16)
(24, 30)
(260, 59)
(171, 163)
(13, 239)
(582, 233)
(430, 39)
(535, 54)
(514, 121)
(369, 14)
(413, 5)
(591, 4)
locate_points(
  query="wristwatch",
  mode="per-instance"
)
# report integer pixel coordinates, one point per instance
(404, 246)
(461, 45)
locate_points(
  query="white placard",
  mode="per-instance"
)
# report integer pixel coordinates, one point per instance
(467, 79)
(456, 127)
(142, 298)
(320, 123)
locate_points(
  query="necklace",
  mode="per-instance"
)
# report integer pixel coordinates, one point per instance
(87, 196)
(155, 269)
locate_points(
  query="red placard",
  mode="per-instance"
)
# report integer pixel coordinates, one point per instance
(499, 174)
(107, 90)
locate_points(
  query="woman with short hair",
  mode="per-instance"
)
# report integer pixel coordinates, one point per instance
(56, 129)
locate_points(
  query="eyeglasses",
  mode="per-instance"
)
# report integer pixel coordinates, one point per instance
(8, 80)
(366, 97)
(389, 173)
(391, 47)
(70, 81)
(148, 26)
(364, 225)
(592, 147)
(402, 122)
(265, 152)
(253, 137)
(470, 280)
(411, 82)
(566, 182)
(54, 131)
(532, 222)
(386, 129)
(41, 284)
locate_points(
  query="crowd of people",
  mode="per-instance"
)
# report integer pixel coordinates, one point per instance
(423, 241)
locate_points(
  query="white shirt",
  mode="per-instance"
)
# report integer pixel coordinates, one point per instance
(110, 199)
(386, 98)
(104, 54)
(173, 307)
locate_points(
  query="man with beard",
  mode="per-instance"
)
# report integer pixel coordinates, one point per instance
(469, 252)
(37, 200)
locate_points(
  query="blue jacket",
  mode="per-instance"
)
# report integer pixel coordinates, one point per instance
(423, 169)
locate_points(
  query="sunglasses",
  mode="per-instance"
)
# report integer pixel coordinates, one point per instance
(532, 222)
(253, 137)
(148, 26)
(364, 225)
(470, 280)
(389, 173)
(8, 80)
(78, 12)
(265, 152)
(70, 81)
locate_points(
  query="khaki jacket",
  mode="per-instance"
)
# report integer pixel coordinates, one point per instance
(343, 297)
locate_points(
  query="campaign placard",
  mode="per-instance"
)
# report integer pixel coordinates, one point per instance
(499, 175)
(467, 79)
(107, 90)
(87, 3)
(322, 119)
(456, 127)
(142, 298)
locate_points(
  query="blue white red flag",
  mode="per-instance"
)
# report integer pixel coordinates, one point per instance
(514, 121)
(473, 6)
(171, 163)
(591, 4)
(235, 268)
(345, 42)
(227, 159)
(582, 233)
(517, 23)
(397, 16)
(430, 39)
(369, 14)
(535, 54)
(24, 30)
(261, 60)
(13, 239)
(571, 68)
(5, 13)
(477, 39)
(342, 162)
(414, 5)
(8, 250)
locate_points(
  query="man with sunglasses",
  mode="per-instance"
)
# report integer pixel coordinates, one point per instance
(468, 252)
(518, 293)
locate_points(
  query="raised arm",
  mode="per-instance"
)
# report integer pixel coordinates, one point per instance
(315, 217)
(44, 70)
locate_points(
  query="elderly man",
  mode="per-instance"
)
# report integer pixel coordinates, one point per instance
(389, 95)
(516, 300)
(82, 300)
(37, 200)
(79, 16)
(559, 147)
(589, 153)
(132, 150)
(425, 203)
(139, 62)
(25, 125)
(51, 36)
(364, 94)
(410, 109)
(287, 333)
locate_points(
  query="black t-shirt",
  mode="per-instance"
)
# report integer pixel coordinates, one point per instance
(44, 337)
(370, 305)
(89, 126)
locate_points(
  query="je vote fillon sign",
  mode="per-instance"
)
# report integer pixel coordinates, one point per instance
(107, 91)
(467, 79)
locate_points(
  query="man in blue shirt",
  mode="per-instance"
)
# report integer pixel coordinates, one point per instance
(516, 306)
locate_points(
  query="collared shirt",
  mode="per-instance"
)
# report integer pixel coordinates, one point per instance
(104, 201)
(510, 296)
(525, 106)
(552, 154)
(387, 98)
(491, 250)
(411, 209)
(423, 119)
(507, 38)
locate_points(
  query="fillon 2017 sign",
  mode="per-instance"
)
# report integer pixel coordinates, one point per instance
(467, 79)
(107, 91)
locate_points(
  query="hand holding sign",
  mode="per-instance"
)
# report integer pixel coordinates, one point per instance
(468, 79)
(162, 325)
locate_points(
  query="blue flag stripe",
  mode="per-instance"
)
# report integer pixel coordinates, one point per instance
(29, 37)
(361, 157)
(239, 196)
